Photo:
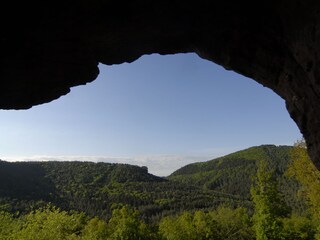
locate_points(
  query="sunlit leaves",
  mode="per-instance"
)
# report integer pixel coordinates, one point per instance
(223, 223)
(269, 206)
(126, 224)
(307, 174)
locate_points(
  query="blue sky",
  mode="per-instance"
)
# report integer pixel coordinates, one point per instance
(159, 111)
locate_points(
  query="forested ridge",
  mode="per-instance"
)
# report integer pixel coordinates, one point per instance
(233, 173)
(238, 196)
(97, 188)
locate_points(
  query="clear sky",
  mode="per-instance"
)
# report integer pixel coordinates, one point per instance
(159, 111)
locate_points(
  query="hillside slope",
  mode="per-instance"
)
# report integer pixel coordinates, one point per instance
(96, 188)
(233, 173)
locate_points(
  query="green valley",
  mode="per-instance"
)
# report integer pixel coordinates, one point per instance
(237, 196)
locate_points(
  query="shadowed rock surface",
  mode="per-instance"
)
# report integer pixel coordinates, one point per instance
(49, 46)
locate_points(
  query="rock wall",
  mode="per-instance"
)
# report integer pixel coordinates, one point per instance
(49, 46)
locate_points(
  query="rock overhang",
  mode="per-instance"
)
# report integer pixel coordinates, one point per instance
(48, 48)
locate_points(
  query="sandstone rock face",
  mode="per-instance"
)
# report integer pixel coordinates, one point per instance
(48, 47)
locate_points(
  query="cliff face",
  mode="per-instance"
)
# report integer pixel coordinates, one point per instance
(47, 47)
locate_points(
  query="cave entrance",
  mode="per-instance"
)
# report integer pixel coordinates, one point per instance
(159, 111)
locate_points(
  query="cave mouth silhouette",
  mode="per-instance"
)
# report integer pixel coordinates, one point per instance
(178, 105)
(48, 48)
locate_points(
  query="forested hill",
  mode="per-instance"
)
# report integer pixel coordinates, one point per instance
(277, 156)
(233, 173)
(97, 188)
(209, 200)
(32, 179)
(69, 185)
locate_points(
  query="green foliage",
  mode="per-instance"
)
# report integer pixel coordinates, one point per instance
(200, 201)
(232, 223)
(95, 229)
(95, 188)
(276, 155)
(126, 224)
(298, 228)
(51, 223)
(307, 174)
(179, 228)
(269, 205)
(8, 226)
(232, 174)
(203, 225)
(223, 223)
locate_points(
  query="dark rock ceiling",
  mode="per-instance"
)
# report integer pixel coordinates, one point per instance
(49, 46)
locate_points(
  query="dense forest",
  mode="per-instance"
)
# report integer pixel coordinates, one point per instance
(265, 192)
(97, 188)
(233, 173)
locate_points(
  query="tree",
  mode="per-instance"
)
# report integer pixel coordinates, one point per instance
(231, 224)
(298, 228)
(8, 226)
(125, 224)
(204, 225)
(51, 223)
(183, 227)
(269, 206)
(307, 174)
(95, 229)
(222, 223)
